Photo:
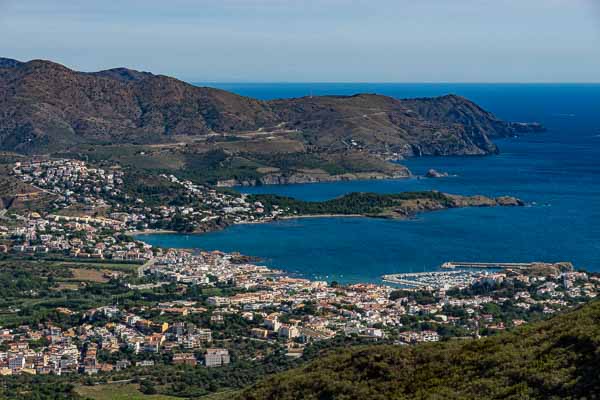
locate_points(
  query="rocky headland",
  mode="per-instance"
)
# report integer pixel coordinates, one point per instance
(399, 206)
(155, 122)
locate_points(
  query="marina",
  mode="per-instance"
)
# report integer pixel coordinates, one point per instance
(435, 279)
(454, 274)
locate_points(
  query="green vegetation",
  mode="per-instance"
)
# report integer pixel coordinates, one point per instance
(555, 359)
(245, 160)
(153, 190)
(196, 382)
(215, 165)
(118, 392)
(26, 387)
(32, 290)
(357, 203)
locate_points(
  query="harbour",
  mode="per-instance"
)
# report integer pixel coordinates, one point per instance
(435, 279)
(453, 274)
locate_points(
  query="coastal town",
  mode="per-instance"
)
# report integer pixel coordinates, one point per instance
(75, 184)
(196, 308)
(299, 200)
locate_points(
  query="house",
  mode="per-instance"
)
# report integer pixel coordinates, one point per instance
(122, 364)
(218, 301)
(259, 333)
(216, 357)
(204, 335)
(145, 363)
(430, 336)
(17, 362)
(184, 359)
(288, 331)
(374, 332)
(272, 322)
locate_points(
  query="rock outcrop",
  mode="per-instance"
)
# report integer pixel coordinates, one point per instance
(432, 173)
(484, 201)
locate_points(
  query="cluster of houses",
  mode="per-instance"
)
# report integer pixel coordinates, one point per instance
(52, 350)
(72, 180)
(215, 204)
(78, 237)
(279, 309)
(365, 310)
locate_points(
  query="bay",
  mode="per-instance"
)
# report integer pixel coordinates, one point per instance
(557, 173)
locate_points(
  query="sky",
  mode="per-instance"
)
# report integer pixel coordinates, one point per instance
(313, 40)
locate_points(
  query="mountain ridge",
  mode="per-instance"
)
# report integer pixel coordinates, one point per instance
(47, 100)
(161, 123)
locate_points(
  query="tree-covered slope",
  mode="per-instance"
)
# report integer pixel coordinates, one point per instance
(398, 205)
(555, 359)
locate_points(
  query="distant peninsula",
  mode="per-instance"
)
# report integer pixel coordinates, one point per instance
(394, 206)
(157, 123)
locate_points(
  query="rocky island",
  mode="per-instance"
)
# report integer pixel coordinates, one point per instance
(432, 173)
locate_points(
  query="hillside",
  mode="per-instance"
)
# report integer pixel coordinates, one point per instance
(163, 123)
(555, 359)
(15, 194)
(46, 106)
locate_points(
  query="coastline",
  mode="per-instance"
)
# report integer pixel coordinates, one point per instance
(319, 216)
(395, 216)
(305, 178)
(150, 232)
(266, 221)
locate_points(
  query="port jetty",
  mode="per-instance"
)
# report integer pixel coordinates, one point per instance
(481, 265)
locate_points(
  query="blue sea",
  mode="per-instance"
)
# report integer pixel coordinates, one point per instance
(557, 173)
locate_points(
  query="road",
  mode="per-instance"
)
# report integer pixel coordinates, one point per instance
(142, 268)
